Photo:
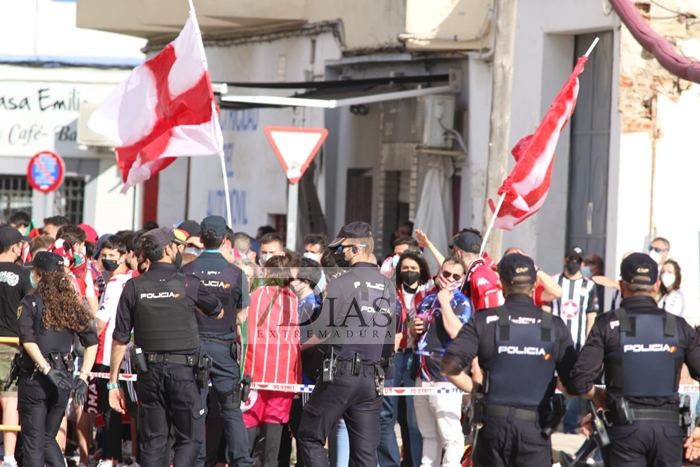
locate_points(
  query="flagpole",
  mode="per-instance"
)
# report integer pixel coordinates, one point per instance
(590, 49)
(220, 143)
(493, 221)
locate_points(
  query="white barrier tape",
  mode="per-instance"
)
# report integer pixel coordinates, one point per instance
(308, 388)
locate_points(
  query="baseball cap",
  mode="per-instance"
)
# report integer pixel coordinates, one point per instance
(191, 227)
(575, 252)
(214, 223)
(467, 241)
(639, 268)
(90, 233)
(47, 261)
(10, 236)
(160, 237)
(517, 269)
(100, 241)
(352, 230)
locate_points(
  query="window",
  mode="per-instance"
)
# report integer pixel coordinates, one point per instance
(70, 199)
(15, 196)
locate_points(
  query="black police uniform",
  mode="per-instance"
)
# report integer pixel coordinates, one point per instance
(41, 404)
(359, 316)
(218, 340)
(642, 349)
(159, 306)
(519, 348)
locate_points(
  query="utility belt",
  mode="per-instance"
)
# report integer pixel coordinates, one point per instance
(331, 365)
(404, 350)
(625, 414)
(200, 362)
(57, 360)
(233, 344)
(548, 420)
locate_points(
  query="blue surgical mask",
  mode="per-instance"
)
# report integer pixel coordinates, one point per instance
(31, 280)
(586, 271)
(321, 286)
(395, 260)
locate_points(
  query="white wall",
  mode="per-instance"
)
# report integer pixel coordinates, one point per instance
(47, 28)
(257, 184)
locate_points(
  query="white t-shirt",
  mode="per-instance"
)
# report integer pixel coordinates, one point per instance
(107, 313)
(673, 302)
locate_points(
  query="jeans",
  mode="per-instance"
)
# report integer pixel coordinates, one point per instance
(339, 445)
(571, 416)
(225, 375)
(388, 454)
(402, 377)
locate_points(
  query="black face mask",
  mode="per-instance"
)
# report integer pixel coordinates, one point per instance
(178, 260)
(110, 264)
(409, 277)
(572, 267)
(340, 260)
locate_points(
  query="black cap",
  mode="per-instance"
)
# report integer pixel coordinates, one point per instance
(47, 261)
(160, 237)
(575, 252)
(215, 223)
(639, 268)
(468, 241)
(191, 227)
(10, 236)
(352, 230)
(517, 269)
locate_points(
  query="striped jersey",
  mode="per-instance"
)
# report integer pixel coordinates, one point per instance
(578, 298)
(273, 352)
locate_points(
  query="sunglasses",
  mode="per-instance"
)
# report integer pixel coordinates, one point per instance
(658, 250)
(447, 275)
(342, 247)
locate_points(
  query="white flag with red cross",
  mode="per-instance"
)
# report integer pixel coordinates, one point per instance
(165, 109)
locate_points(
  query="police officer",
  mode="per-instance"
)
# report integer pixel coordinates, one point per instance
(642, 349)
(359, 318)
(519, 347)
(48, 320)
(218, 336)
(160, 307)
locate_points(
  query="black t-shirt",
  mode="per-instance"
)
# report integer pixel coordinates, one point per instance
(14, 285)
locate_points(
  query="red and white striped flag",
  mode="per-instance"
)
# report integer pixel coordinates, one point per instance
(165, 109)
(527, 185)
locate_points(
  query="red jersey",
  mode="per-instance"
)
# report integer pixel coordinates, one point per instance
(482, 285)
(273, 353)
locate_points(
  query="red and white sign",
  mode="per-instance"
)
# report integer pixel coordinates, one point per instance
(295, 148)
(45, 171)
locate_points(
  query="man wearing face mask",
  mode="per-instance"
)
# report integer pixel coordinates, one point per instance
(113, 262)
(160, 307)
(578, 307)
(15, 283)
(402, 244)
(481, 285)
(271, 245)
(658, 250)
(358, 319)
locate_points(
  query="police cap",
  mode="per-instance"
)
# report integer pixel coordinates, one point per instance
(352, 230)
(217, 224)
(10, 236)
(47, 261)
(517, 269)
(160, 237)
(639, 268)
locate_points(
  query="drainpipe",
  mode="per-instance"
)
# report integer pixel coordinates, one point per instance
(654, 139)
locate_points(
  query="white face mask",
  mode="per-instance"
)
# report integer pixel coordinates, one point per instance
(655, 256)
(313, 256)
(266, 256)
(668, 279)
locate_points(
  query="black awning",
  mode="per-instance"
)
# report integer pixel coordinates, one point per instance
(336, 89)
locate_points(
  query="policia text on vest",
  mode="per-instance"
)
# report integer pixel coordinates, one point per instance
(160, 306)
(642, 349)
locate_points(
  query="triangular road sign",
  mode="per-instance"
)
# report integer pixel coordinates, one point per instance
(295, 148)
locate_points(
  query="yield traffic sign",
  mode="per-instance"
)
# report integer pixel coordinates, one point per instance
(295, 148)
